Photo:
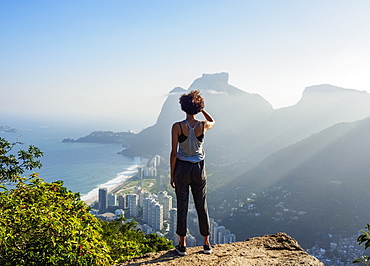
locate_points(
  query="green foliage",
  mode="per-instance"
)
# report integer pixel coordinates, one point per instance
(157, 243)
(364, 238)
(126, 242)
(12, 166)
(44, 224)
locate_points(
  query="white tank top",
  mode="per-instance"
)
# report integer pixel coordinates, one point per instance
(191, 149)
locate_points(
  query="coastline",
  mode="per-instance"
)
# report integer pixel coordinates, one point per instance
(113, 184)
(77, 164)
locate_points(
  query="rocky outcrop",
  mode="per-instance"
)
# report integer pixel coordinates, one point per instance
(277, 249)
(105, 137)
(8, 129)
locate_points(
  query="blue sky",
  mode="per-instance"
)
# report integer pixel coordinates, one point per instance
(113, 62)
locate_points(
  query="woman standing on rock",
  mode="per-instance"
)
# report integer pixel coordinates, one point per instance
(187, 167)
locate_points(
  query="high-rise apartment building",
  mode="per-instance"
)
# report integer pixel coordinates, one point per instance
(157, 221)
(132, 205)
(112, 200)
(230, 238)
(140, 173)
(103, 200)
(219, 237)
(146, 207)
(166, 201)
(153, 162)
(173, 224)
(213, 230)
(122, 201)
(143, 195)
(167, 206)
(152, 171)
(161, 196)
(151, 214)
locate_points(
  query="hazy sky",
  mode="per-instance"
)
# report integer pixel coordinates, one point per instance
(115, 61)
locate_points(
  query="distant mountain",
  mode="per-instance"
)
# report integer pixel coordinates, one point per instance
(105, 137)
(321, 106)
(247, 128)
(233, 109)
(340, 153)
(326, 177)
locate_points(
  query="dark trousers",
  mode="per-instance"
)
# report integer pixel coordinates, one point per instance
(192, 175)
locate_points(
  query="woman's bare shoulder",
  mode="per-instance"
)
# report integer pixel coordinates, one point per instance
(176, 125)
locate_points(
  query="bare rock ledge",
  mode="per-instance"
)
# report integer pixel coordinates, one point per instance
(278, 249)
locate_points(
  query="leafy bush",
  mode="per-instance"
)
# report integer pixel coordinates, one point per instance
(364, 238)
(12, 166)
(44, 224)
(126, 242)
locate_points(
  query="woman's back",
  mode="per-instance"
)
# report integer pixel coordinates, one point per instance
(198, 130)
(191, 144)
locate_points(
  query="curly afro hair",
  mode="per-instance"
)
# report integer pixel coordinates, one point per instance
(192, 103)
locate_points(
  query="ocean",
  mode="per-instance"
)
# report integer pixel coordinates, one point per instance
(83, 167)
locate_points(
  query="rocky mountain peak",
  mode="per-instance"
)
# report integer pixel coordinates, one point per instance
(277, 249)
(327, 88)
(219, 77)
(330, 91)
(325, 95)
(177, 89)
(218, 82)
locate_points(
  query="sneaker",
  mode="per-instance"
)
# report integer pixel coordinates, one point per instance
(181, 250)
(207, 249)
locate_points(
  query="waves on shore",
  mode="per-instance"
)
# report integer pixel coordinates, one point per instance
(92, 195)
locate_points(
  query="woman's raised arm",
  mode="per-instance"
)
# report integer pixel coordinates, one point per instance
(210, 121)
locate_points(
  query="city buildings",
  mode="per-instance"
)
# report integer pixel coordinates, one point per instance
(112, 200)
(167, 206)
(166, 201)
(155, 212)
(103, 200)
(190, 240)
(219, 234)
(173, 221)
(132, 201)
(157, 217)
(122, 201)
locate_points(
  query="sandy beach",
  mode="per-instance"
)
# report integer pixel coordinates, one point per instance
(111, 185)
